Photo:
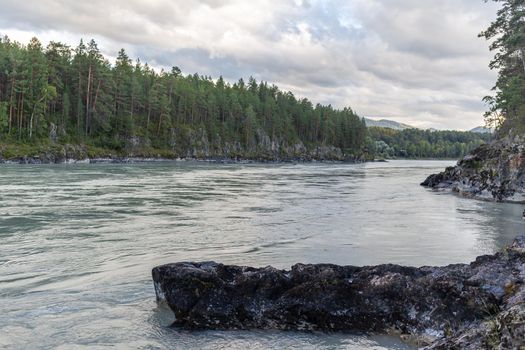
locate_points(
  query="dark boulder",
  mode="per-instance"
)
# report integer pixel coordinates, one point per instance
(438, 305)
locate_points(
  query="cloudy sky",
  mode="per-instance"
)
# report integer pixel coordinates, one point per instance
(415, 61)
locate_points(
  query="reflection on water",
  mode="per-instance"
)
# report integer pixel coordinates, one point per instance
(78, 242)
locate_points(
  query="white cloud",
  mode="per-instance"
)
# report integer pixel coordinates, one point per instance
(419, 62)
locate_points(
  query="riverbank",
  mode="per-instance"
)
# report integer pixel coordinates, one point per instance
(476, 306)
(83, 154)
(74, 153)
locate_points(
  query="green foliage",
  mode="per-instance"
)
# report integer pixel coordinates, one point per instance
(4, 118)
(507, 36)
(416, 143)
(14, 150)
(105, 105)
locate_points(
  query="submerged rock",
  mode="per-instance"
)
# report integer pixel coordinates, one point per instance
(494, 171)
(475, 306)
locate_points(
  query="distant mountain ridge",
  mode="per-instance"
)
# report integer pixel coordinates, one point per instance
(385, 123)
(392, 124)
(481, 130)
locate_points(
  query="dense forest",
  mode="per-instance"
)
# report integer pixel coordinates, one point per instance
(507, 39)
(417, 143)
(58, 95)
(65, 95)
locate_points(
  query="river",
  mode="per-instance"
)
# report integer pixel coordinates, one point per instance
(78, 241)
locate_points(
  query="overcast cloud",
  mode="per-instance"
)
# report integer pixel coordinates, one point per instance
(415, 61)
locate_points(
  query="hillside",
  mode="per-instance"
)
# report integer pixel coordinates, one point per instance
(481, 130)
(417, 143)
(385, 123)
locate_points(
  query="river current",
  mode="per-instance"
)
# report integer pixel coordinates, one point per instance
(77, 242)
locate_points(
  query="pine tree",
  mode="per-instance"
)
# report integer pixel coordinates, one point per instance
(507, 32)
(103, 104)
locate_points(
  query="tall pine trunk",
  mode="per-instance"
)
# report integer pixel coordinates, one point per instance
(79, 100)
(11, 109)
(87, 100)
(20, 116)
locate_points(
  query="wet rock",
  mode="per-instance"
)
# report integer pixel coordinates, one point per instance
(494, 171)
(462, 306)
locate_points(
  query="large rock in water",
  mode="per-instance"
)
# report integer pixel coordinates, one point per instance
(494, 171)
(475, 306)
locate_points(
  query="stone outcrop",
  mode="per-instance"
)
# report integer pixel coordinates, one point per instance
(494, 171)
(190, 144)
(261, 148)
(463, 306)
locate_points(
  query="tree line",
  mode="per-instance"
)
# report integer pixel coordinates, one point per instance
(75, 95)
(416, 143)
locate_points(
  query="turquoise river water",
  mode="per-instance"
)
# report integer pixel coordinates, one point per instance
(78, 241)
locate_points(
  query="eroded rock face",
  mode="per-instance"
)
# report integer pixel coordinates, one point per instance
(458, 306)
(494, 171)
(262, 147)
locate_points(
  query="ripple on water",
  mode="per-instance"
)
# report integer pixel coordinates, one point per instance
(79, 241)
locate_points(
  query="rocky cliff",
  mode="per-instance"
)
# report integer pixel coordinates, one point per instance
(262, 147)
(495, 171)
(192, 144)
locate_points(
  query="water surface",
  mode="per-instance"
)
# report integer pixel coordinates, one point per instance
(78, 241)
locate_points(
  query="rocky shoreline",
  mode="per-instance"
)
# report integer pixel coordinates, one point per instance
(463, 306)
(73, 154)
(494, 171)
(135, 160)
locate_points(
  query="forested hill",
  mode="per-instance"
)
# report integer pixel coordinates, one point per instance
(417, 143)
(58, 95)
